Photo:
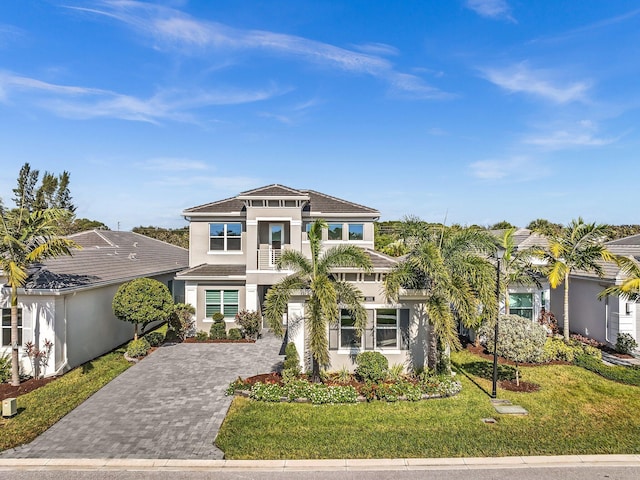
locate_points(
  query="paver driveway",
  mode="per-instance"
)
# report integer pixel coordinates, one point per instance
(170, 405)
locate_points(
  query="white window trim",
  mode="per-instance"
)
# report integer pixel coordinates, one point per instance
(389, 351)
(222, 303)
(225, 238)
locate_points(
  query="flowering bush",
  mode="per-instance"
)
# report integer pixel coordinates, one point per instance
(39, 358)
(250, 323)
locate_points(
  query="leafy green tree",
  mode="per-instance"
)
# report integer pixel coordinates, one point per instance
(143, 301)
(84, 224)
(519, 340)
(545, 227)
(325, 292)
(174, 236)
(27, 238)
(449, 264)
(25, 190)
(501, 225)
(580, 246)
(516, 266)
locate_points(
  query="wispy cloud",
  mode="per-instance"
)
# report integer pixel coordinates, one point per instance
(582, 134)
(9, 33)
(515, 169)
(377, 49)
(84, 102)
(173, 29)
(172, 164)
(497, 9)
(520, 78)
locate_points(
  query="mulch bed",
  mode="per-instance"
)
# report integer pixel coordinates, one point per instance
(9, 391)
(193, 340)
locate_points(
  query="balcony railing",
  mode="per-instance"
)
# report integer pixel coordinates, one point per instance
(268, 257)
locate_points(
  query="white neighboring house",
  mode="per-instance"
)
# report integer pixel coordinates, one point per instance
(68, 300)
(603, 319)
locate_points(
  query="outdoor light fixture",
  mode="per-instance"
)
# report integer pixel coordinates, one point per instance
(498, 256)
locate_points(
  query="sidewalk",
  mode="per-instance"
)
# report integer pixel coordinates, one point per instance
(399, 464)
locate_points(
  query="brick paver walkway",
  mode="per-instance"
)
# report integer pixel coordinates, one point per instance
(170, 405)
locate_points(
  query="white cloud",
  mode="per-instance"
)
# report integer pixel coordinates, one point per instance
(170, 28)
(579, 134)
(498, 9)
(520, 78)
(377, 49)
(517, 168)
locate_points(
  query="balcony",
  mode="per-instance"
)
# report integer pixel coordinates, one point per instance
(268, 256)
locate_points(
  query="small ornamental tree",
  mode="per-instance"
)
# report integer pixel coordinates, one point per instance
(519, 340)
(143, 301)
(180, 322)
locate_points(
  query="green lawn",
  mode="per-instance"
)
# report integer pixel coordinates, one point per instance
(43, 407)
(575, 411)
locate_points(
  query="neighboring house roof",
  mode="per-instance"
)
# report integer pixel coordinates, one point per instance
(318, 203)
(380, 260)
(623, 247)
(108, 257)
(213, 271)
(524, 238)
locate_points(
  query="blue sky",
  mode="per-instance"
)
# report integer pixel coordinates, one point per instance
(470, 110)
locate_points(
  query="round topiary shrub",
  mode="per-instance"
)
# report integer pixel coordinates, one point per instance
(372, 366)
(154, 338)
(138, 348)
(218, 331)
(234, 334)
(625, 343)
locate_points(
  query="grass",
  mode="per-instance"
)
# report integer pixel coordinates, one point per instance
(574, 412)
(628, 375)
(40, 409)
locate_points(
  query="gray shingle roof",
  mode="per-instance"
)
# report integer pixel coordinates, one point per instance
(318, 202)
(207, 270)
(108, 257)
(524, 238)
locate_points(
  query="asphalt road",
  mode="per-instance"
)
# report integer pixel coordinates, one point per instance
(528, 473)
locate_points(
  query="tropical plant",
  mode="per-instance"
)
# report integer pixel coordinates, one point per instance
(519, 340)
(180, 322)
(629, 289)
(27, 239)
(250, 322)
(326, 293)
(449, 265)
(545, 227)
(580, 246)
(143, 301)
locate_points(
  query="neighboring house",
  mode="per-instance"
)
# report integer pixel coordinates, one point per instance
(528, 300)
(234, 247)
(68, 300)
(602, 319)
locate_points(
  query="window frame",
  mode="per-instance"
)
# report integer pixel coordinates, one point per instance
(375, 327)
(225, 237)
(7, 327)
(332, 227)
(349, 328)
(222, 304)
(361, 233)
(513, 310)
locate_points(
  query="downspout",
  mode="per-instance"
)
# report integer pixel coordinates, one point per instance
(61, 369)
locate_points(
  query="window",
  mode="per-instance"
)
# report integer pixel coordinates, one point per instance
(221, 301)
(348, 336)
(225, 236)
(335, 231)
(6, 327)
(387, 328)
(521, 304)
(356, 231)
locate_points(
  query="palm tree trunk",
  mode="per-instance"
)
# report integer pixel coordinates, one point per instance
(15, 362)
(432, 354)
(315, 370)
(506, 301)
(566, 308)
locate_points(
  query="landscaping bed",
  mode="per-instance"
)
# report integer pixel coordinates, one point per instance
(9, 391)
(222, 340)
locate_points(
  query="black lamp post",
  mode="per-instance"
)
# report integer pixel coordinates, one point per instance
(499, 254)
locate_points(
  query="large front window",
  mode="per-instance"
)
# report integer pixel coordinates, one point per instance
(221, 301)
(225, 236)
(334, 231)
(356, 231)
(521, 304)
(387, 328)
(348, 336)
(6, 327)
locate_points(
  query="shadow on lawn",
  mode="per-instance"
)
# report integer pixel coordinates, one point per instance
(485, 370)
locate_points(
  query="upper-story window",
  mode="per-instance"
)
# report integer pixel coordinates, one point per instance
(334, 231)
(356, 231)
(225, 236)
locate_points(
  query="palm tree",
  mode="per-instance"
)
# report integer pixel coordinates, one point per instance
(449, 264)
(516, 266)
(580, 246)
(26, 239)
(326, 294)
(629, 289)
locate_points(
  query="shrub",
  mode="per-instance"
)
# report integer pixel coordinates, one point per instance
(218, 330)
(5, 367)
(235, 334)
(625, 343)
(250, 323)
(180, 322)
(138, 348)
(519, 340)
(201, 336)
(627, 375)
(371, 366)
(154, 338)
(291, 359)
(557, 349)
(217, 317)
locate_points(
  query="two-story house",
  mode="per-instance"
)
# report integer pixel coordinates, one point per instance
(234, 248)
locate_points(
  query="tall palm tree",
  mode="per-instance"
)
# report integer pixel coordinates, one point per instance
(326, 294)
(516, 266)
(25, 239)
(580, 246)
(629, 289)
(450, 265)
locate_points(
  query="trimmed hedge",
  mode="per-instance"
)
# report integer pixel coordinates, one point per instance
(626, 375)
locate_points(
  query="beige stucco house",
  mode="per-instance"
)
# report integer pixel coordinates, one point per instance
(68, 300)
(234, 247)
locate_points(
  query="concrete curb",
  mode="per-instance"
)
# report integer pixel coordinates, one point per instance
(473, 463)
